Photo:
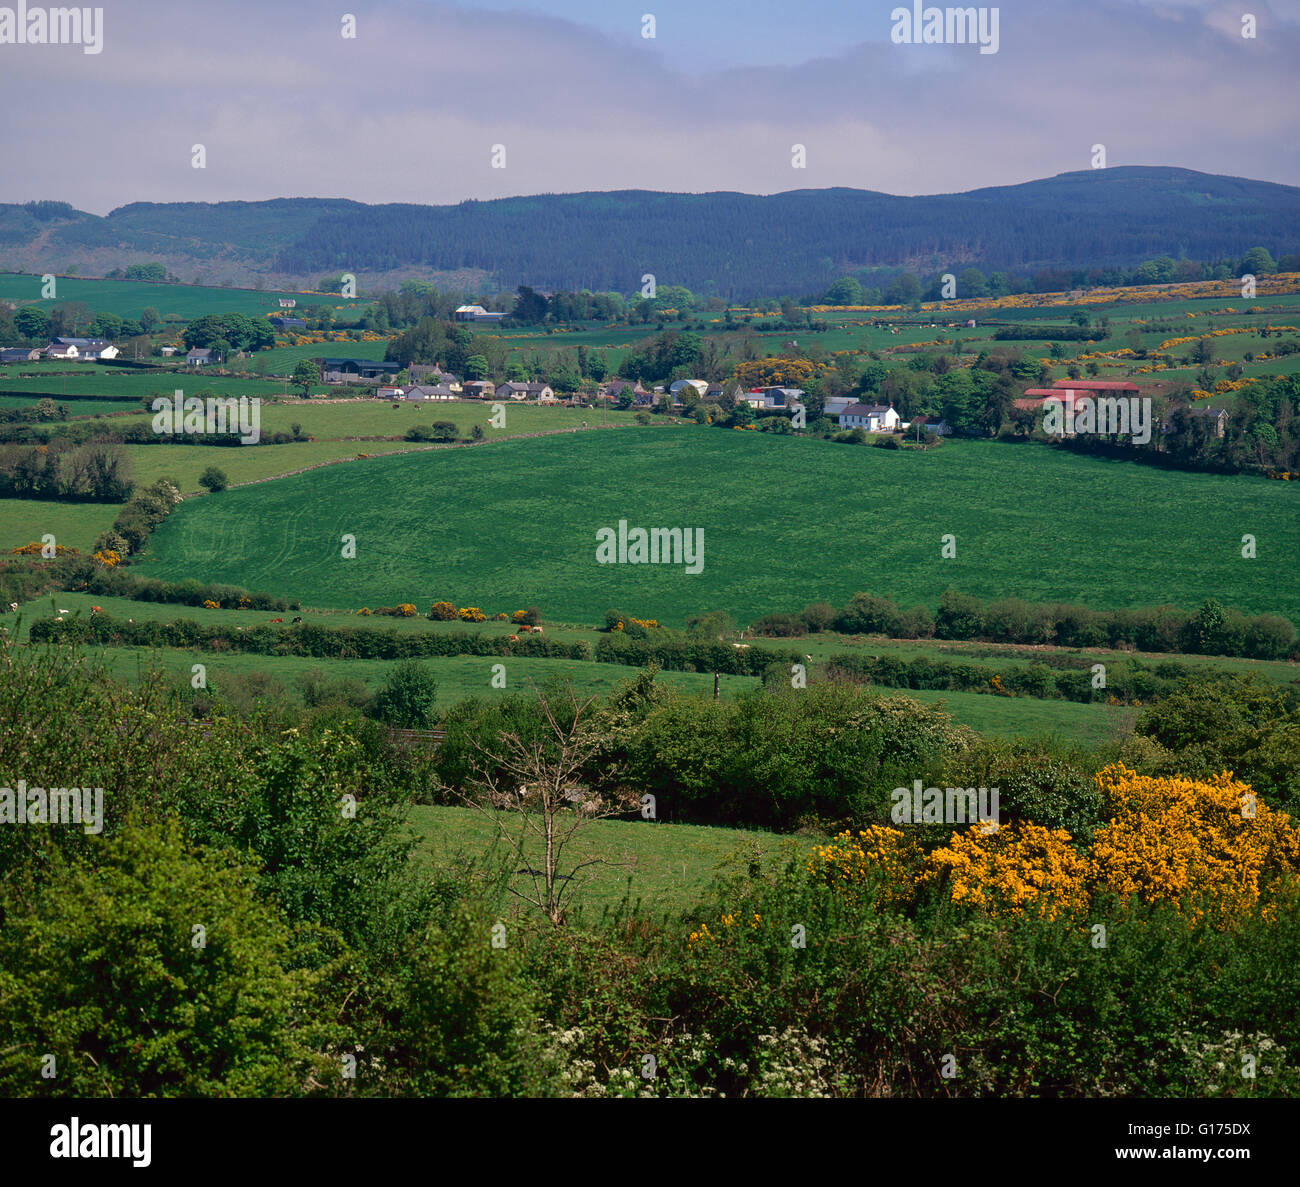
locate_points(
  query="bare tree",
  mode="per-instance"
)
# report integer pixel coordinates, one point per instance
(535, 790)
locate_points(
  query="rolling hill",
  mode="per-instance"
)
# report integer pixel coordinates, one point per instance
(728, 244)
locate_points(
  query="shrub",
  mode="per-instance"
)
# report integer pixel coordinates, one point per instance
(213, 479)
(443, 612)
(408, 699)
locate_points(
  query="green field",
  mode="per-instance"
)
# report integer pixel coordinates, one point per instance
(138, 384)
(786, 521)
(667, 867)
(128, 298)
(75, 525)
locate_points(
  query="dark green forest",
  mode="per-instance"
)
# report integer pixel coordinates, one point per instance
(721, 244)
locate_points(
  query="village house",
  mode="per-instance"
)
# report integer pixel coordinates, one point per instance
(288, 303)
(80, 348)
(526, 391)
(875, 418)
(420, 372)
(200, 357)
(618, 387)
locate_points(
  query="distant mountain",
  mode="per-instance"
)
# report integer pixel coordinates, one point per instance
(727, 244)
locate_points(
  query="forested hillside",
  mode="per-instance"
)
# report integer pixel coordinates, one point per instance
(725, 244)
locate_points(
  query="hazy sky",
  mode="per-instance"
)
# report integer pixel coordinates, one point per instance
(409, 110)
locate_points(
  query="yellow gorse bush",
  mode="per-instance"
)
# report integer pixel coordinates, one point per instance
(1208, 842)
(1014, 868)
(1208, 846)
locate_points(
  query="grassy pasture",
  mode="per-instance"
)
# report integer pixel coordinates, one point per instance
(129, 298)
(666, 867)
(801, 520)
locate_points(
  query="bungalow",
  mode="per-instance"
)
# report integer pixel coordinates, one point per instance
(526, 391)
(875, 418)
(931, 424)
(80, 348)
(478, 389)
(287, 302)
(200, 357)
(440, 392)
(476, 313)
(20, 354)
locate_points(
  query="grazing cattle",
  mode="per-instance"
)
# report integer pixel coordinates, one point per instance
(97, 610)
(299, 619)
(513, 639)
(14, 607)
(537, 630)
(277, 620)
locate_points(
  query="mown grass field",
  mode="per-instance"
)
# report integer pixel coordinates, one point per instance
(667, 867)
(75, 525)
(138, 384)
(129, 298)
(786, 521)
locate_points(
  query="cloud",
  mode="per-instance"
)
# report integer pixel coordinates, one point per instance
(410, 110)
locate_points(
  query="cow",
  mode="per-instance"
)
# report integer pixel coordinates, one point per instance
(299, 619)
(277, 620)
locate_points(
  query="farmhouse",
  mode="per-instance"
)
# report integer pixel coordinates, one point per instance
(419, 372)
(354, 370)
(288, 303)
(80, 348)
(200, 357)
(476, 313)
(875, 418)
(1214, 420)
(618, 387)
(526, 391)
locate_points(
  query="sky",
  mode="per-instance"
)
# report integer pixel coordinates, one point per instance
(435, 102)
